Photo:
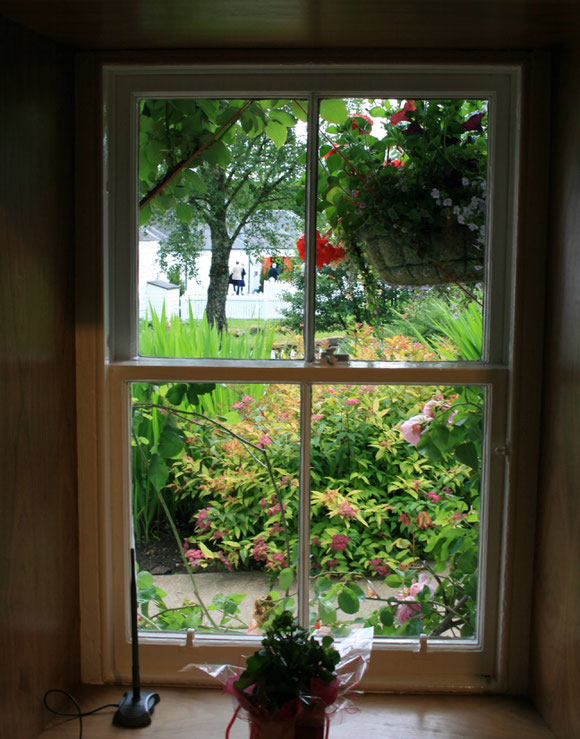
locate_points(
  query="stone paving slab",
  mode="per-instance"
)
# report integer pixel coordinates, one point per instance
(255, 584)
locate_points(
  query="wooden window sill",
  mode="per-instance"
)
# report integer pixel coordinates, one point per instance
(185, 713)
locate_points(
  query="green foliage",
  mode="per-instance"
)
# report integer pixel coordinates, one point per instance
(381, 505)
(198, 339)
(282, 670)
(427, 169)
(229, 166)
(342, 300)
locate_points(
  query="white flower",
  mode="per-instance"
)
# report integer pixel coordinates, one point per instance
(465, 182)
(434, 193)
(460, 219)
(448, 201)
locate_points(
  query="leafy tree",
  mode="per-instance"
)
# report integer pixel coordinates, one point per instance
(343, 298)
(226, 165)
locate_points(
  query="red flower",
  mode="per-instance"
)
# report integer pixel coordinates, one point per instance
(402, 114)
(473, 123)
(395, 163)
(332, 151)
(325, 251)
(359, 125)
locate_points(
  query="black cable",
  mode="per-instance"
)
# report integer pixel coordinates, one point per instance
(79, 714)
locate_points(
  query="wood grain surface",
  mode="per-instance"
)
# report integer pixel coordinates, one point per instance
(339, 24)
(38, 522)
(555, 649)
(183, 714)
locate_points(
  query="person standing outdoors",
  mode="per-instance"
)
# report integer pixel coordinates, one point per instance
(237, 277)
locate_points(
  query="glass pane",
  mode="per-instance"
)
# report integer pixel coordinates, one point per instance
(215, 504)
(402, 228)
(221, 205)
(395, 490)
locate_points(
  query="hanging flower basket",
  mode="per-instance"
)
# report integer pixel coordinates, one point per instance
(447, 253)
(409, 189)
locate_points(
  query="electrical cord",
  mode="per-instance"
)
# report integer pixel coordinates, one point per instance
(79, 714)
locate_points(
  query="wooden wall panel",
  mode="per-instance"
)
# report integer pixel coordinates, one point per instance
(555, 653)
(38, 524)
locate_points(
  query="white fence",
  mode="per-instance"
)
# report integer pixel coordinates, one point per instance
(254, 307)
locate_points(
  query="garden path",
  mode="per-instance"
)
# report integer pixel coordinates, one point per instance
(255, 584)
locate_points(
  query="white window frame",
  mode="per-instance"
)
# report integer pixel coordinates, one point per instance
(399, 664)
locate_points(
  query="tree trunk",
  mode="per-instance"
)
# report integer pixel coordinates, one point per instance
(221, 246)
(218, 274)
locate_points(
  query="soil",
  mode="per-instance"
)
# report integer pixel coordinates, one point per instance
(159, 555)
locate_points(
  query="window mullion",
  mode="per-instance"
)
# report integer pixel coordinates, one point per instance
(310, 226)
(303, 568)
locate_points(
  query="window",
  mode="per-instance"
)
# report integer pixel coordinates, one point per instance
(326, 409)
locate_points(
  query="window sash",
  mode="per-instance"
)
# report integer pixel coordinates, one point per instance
(464, 664)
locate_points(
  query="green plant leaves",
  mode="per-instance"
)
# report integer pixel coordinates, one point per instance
(170, 444)
(285, 578)
(333, 111)
(158, 472)
(348, 601)
(466, 453)
(277, 132)
(217, 153)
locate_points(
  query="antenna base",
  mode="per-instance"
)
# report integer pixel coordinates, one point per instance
(133, 711)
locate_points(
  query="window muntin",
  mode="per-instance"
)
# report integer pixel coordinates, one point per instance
(493, 377)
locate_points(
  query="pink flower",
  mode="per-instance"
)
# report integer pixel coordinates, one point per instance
(194, 556)
(274, 509)
(201, 522)
(237, 405)
(433, 497)
(345, 509)
(276, 560)
(367, 388)
(264, 441)
(379, 566)
(339, 542)
(247, 399)
(217, 535)
(411, 429)
(352, 401)
(418, 586)
(429, 408)
(317, 416)
(315, 541)
(451, 417)
(259, 552)
(407, 610)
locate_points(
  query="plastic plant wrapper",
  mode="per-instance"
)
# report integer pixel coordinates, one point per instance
(309, 715)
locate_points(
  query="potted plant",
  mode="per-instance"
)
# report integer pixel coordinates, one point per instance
(411, 196)
(288, 683)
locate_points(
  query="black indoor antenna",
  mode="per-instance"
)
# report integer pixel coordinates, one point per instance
(135, 707)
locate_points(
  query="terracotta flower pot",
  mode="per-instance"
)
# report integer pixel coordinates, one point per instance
(309, 725)
(450, 254)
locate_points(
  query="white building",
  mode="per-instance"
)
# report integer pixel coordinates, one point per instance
(252, 304)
